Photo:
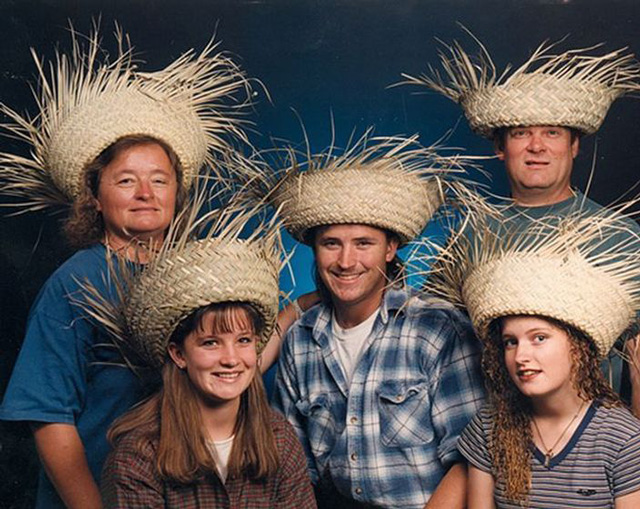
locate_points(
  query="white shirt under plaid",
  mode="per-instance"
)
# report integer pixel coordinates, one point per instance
(389, 436)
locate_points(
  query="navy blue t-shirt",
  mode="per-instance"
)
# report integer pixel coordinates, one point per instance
(67, 371)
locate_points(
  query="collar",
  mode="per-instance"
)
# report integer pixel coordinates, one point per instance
(318, 318)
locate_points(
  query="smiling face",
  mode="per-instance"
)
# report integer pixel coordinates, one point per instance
(137, 194)
(538, 357)
(351, 260)
(539, 161)
(220, 361)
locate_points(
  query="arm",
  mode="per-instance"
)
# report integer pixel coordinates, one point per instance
(480, 489)
(286, 317)
(64, 460)
(286, 396)
(294, 485)
(633, 351)
(451, 492)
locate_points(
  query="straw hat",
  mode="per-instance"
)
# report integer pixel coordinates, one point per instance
(186, 274)
(88, 102)
(389, 183)
(558, 268)
(204, 272)
(574, 89)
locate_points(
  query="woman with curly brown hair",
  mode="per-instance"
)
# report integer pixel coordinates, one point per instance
(548, 307)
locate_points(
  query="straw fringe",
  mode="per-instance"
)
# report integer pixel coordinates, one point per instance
(203, 260)
(388, 182)
(574, 88)
(86, 102)
(559, 267)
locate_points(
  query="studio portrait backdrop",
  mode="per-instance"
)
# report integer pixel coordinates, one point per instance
(327, 70)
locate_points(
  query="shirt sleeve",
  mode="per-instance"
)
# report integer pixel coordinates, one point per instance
(287, 396)
(294, 486)
(129, 478)
(625, 469)
(457, 392)
(48, 383)
(473, 444)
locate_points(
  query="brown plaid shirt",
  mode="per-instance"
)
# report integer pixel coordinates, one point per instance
(130, 480)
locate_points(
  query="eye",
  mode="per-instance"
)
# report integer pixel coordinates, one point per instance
(125, 181)
(209, 342)
(364, 243)
(159, 181)
(539, 338)
(518, 133)
(246, 340)
(509, 343)
(554, 133)
(329, 243)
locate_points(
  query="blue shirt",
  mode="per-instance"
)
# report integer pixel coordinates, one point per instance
(66, 372)
(598, 465)
(389, 437)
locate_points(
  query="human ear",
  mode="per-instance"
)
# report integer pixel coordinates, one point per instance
(176, 355)
(392, 249)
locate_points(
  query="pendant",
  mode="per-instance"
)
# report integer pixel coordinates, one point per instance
(547, 458)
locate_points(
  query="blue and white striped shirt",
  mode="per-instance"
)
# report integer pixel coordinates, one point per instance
(600, 463)
(389, 436)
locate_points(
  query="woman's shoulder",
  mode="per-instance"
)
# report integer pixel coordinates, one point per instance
(616, 422)
(84, 264)
(140, 442)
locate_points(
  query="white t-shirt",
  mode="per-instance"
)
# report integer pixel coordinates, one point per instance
(350, 342)
(220, 450)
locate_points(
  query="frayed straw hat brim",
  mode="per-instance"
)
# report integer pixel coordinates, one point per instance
(85, 133)
(568, 289)
(205, 272)
(389, 199)
(538, 100)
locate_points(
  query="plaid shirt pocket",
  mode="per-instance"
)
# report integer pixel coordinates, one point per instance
(321, 427)
(405, 413)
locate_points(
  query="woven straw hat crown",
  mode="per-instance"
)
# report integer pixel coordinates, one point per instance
(557, 270)
(207, 271)
(574, 89)
(392, 184)
(89, 102)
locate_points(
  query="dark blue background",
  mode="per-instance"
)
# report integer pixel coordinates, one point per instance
(319, 58)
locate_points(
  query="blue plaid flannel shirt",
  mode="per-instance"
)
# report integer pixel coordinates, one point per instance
(389, 437)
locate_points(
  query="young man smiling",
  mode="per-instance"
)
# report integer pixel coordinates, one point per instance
(377, 382)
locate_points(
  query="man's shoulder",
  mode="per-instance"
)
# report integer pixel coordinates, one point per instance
(421, 304)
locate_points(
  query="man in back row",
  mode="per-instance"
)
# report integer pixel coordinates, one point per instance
(535, 116)
(377, 382)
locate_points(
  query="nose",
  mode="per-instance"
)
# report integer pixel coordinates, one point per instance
(144, 190)
(536, 143)
(523, 352)
(229, 356)
(346, 258)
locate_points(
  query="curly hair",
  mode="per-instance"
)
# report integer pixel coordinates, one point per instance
(510, 441)
(85, 225)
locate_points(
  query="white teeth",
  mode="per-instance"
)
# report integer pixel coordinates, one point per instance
(527, 372)
(228, 375)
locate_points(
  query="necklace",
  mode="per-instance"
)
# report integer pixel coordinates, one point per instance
(548, 453)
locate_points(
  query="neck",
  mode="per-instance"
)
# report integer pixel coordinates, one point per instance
(351, 315)
(556, 407)
(135, 249)
(219, 420)
(533, 198)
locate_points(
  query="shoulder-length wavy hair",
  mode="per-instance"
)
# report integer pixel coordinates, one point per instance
(85, 225)
(511, 440)
(172, 416)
